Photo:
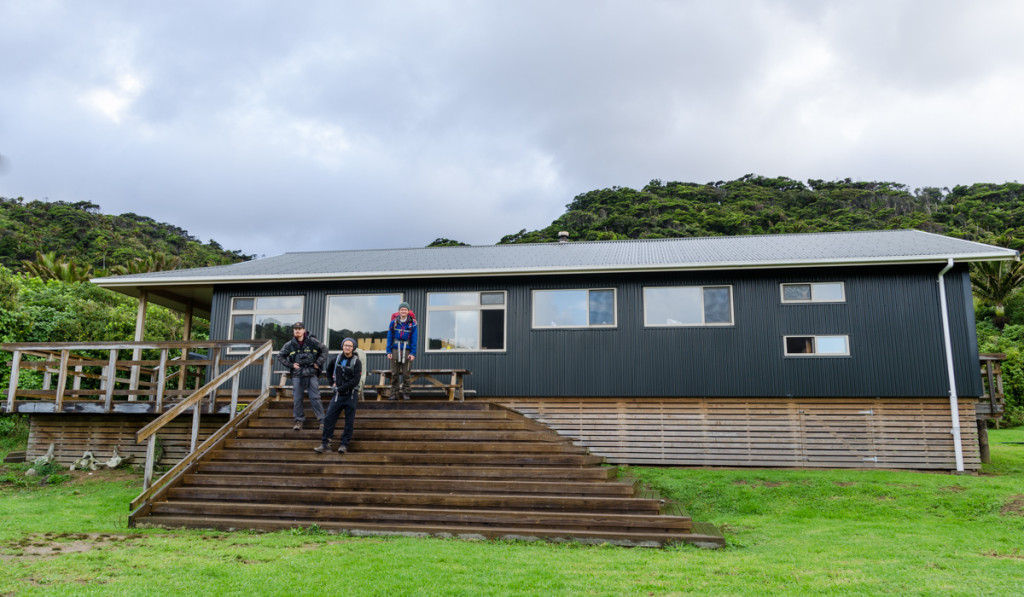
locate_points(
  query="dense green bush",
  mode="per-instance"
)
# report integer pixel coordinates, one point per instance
(1008, 341)
(54, 311)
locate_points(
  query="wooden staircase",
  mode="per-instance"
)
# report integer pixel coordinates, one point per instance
(471, 470)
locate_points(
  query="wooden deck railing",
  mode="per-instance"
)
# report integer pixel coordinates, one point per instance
(992, 403)
(262, 354)
(96, 372)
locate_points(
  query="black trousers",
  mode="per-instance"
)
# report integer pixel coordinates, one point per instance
(339, 403)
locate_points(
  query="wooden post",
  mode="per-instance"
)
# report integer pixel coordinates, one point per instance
(77, 385)
(268, 370)
(110, 381)
(147, 477)
(216, 371)
(140, 330)
(62, 379)
(234, 397)
(986, 457)
(161, 380)
(186, 336)
(187, 332)
(12, 388)
(47, 374)
(196, 412)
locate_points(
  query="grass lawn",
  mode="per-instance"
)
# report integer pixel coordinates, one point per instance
(790, 532)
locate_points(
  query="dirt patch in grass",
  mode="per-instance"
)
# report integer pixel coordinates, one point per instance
(953, 488)
(105, 475)
(845, 483)
(1016, 555)
(759, 483)
(1015, 507)
(50, 545)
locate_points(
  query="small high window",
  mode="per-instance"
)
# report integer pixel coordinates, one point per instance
(573, 308)
(687, 306)
(833, 346)
(814, 292)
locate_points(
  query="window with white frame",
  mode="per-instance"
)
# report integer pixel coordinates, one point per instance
(814, 292)
(574, 308)
(264, 318)
(466, 321)
(687, 306)
(364, 317)
(808, 346)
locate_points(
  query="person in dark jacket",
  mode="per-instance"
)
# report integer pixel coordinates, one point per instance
(344, 371)
(303, 356)
(402, 334)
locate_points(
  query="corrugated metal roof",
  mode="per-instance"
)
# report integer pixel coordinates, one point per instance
(724, 252)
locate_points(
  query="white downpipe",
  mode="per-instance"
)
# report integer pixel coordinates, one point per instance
(954, 406)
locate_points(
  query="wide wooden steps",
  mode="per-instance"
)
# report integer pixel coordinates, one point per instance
(437, 468)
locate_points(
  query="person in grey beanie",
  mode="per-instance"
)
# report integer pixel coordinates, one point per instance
(344, 372)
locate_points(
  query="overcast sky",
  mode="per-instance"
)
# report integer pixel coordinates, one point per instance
(272, 127)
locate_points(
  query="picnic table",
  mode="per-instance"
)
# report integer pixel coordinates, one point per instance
(448, 381)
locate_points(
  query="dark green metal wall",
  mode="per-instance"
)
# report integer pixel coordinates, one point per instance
(891, 316)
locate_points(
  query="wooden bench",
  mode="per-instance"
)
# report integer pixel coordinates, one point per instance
(448, 381)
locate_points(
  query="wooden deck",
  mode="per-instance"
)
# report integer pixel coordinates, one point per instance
(470, 470)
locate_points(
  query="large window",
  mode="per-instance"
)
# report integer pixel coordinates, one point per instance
(264, 318)
(687, 305)
(808, 346)
(573, 308)
(819, 292)
(364, 317)
(466, 321)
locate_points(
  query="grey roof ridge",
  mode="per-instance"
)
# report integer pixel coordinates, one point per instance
(618, 268)
(621, 241)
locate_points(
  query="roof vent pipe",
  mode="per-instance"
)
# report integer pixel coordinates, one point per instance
(563, 236)
(953, 399)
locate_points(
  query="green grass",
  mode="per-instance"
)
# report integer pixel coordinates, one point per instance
(789, 533)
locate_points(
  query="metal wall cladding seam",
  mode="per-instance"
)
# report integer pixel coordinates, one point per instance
(891, 315)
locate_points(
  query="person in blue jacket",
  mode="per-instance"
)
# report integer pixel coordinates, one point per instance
(402, 336)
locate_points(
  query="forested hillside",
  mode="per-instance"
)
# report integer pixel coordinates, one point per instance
(991, 213)
(78, 232)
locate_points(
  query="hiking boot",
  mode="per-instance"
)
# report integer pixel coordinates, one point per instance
(322, 448)
(297, 426)
(341, 449)
(405, 396)
(392, 396)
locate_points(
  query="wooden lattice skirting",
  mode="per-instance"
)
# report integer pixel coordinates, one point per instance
(892, 433)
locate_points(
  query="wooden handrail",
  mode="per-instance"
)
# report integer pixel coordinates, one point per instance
(199, 394)
(157, 489)
(232, 372)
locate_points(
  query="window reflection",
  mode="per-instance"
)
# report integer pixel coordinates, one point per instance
(573, 308)
(363, 317)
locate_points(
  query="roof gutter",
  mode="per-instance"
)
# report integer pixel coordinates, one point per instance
(954, 406)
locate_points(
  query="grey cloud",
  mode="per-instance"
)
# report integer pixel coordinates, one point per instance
(273, 128)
